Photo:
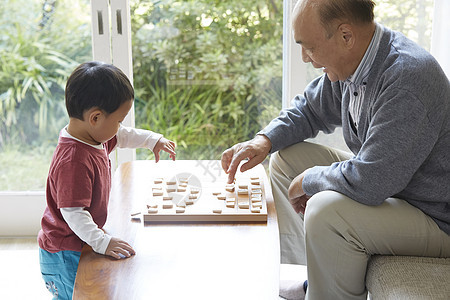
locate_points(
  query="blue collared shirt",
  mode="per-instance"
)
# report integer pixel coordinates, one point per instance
(356, 83)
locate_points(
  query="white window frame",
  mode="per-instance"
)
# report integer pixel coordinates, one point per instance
(111, 43)
(294, 69)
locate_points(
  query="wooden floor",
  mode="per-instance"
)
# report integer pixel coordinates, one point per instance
(20, 276)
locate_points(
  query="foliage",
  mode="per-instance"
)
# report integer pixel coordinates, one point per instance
(412, 18)
(36, 60)
(32, 79)
(209, 72)
(24, 168)
(193, 117)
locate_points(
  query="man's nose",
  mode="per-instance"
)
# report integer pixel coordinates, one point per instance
(305, 56)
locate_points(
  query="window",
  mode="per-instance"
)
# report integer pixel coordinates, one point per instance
(207, 73)
(38, 50)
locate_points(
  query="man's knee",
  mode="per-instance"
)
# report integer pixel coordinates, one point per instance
(290, 161)
(325, 209)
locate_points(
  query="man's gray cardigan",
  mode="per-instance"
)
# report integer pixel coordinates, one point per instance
(401, 145)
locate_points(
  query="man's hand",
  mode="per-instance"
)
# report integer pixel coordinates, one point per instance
(117, 246)
(254, 150)
(297, 196)
(164, 145)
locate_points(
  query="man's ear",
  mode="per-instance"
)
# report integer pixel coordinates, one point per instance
(95, 116)
(346, 35)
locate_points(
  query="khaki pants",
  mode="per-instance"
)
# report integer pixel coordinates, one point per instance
(338, 235)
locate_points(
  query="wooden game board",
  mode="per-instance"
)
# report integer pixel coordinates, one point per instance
(185, 198)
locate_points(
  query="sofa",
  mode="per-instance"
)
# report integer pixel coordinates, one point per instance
(397, 277)
(408, 278)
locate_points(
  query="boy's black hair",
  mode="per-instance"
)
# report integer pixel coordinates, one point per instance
(96, 84)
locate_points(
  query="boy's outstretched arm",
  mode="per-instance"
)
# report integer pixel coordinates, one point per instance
(117, 247)
(128, 137)
(164, 145)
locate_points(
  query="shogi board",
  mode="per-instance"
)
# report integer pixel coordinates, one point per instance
(186, 198)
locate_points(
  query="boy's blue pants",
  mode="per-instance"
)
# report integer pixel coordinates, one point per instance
(58, 271)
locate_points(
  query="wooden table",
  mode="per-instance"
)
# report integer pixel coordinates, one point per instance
(180, 261)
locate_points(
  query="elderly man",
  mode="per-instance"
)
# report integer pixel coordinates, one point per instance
(391, 195)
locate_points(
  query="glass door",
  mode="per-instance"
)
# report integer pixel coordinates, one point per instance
(207, 73)
(41, 42)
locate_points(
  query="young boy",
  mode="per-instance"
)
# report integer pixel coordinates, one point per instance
(98, 97)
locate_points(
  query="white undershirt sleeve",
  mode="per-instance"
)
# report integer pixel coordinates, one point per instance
(82, 224)
(129, 137)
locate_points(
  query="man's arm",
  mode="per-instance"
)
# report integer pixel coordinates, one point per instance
(317, 110)
(399, 138)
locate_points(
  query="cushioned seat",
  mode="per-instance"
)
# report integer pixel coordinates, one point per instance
(408, 278)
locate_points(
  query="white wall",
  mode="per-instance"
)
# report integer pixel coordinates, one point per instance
(21, 213)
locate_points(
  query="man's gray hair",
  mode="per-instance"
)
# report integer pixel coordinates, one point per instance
(344, 11)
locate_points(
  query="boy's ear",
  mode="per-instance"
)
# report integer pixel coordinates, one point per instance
(95, 116)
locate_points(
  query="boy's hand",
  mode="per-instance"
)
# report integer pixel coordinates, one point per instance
(117, 247)
(164, 145)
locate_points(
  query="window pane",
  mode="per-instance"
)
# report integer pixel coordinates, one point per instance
(39, 48)
(207, 73)
(412, 18)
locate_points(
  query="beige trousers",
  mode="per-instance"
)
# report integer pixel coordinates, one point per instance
(338, 235)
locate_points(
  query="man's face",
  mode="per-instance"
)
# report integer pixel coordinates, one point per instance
(320, 51)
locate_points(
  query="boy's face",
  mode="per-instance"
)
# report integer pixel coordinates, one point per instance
(107, 125)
